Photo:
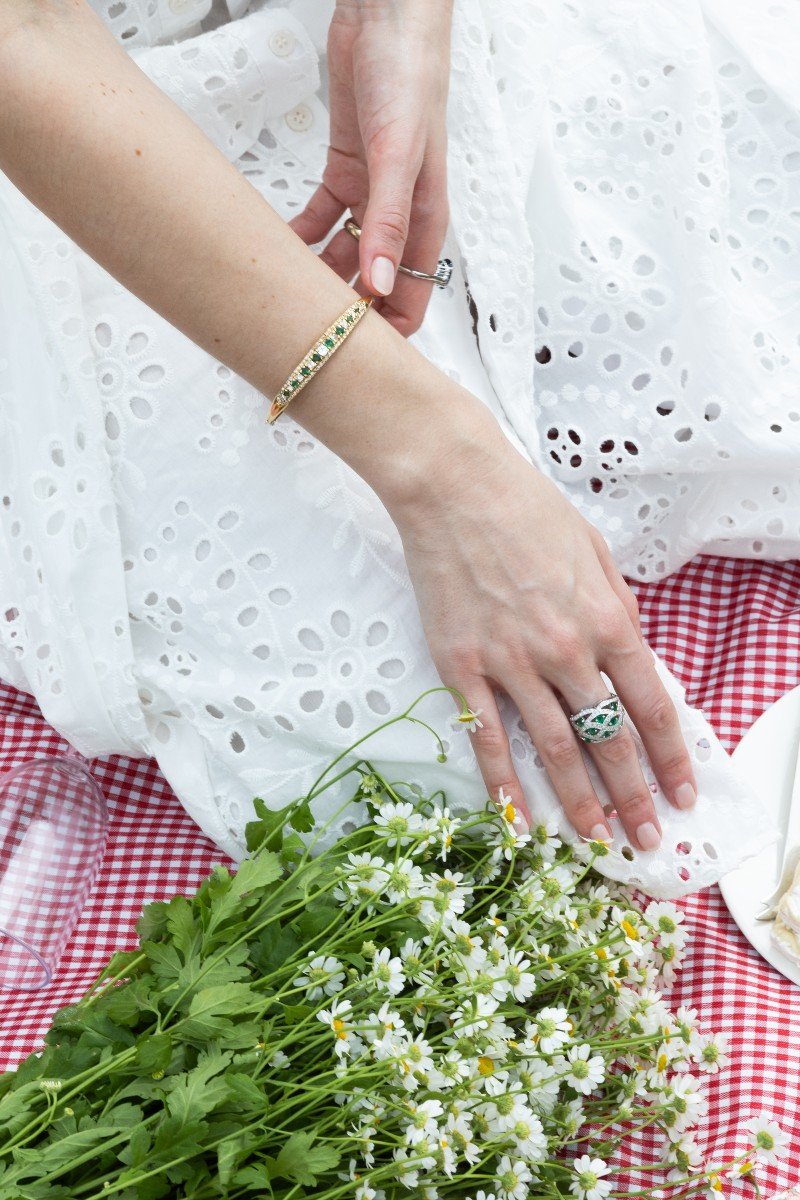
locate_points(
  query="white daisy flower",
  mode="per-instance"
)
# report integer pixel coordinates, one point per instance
(387, 972)
(589, 1183)
(462, 1138)
(336, 1018)
(545, 839)
(530, 1140)
(467, 720)
(585, 1073)
(770, 1142)
(400, 822)
(710, 1051)
(323, 975)
(423, 1121)
(551, 1030)
(518, 975)
(512, 1179)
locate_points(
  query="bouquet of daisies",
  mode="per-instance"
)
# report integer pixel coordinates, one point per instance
(435, 1005)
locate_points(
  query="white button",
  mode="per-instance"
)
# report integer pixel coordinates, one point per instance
(282, 42)
(299, 118)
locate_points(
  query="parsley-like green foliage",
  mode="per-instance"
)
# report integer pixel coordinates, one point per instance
(425, 1007)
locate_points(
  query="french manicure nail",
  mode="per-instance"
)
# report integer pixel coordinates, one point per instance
(382, 275)
(685, 796)
(648, 836)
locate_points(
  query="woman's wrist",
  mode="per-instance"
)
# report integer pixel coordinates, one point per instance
(394, 417)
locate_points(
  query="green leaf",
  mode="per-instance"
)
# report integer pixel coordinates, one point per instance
(267, 831)
(154, 1052)
(152, 924)
(133, 1003)
(134, 1153)
(183, 925)
(302, 818)
(258, 872)
(295, 1013)
(195, 1094)
(254, 1175)
(245, 1090)
(274, 946)
(211, 1006)
(229, 1156)
(301, 1161)
(19, 1102)
(175, 1141)
(318, 917)
(253, 875)
(42, 1159)
(36, 1191)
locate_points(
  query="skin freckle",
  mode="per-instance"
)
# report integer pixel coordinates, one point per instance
(138, 151)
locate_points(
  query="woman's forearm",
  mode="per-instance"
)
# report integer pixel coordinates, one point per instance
(129, 177)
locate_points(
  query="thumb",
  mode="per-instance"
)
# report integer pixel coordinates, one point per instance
(384, 230)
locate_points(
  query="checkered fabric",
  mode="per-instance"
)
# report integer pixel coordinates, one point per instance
(730, 630)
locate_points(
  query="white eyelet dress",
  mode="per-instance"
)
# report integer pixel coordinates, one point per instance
(179, 579)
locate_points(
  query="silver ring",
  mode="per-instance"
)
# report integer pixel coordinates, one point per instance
(599, 722)
(441, 276)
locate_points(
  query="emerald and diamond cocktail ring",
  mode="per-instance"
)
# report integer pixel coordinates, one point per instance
(599, 722)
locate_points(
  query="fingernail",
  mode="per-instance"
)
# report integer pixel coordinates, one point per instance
(600, 833)
(382, 275)
(648, 836)
(685, 796)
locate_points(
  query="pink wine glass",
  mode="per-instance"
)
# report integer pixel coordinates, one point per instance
(53, 830)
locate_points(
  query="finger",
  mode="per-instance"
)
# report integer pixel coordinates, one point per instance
(341, 254)
(393, 167)
(319, 216)
(492, 751)
(617, 581)
(553, 737)
(405, 307)
(640, 689)
(617, 761)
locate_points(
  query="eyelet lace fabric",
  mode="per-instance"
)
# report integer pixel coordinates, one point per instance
(179, 579)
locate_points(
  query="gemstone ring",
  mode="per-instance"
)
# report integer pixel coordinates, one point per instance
(441, 276)
(599, 722)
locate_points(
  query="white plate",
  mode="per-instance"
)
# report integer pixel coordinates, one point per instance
(767, 759)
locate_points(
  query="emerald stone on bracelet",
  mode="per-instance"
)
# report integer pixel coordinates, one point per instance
(318, 355)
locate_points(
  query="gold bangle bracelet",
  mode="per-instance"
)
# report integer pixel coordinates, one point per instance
(318, 355)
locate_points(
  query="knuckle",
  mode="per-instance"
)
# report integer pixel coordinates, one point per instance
(614, 624)
(583, 807)
(490, 740)
(392, 224)
(660, 714)
(565, 644)
(635, 805)
(560, 750)
(676, 765)
(616, 750)
(461, 660)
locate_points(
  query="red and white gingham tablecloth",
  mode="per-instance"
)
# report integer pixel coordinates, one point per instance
(730, 630)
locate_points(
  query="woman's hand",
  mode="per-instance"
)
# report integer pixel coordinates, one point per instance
(389, 68)
(517, 591)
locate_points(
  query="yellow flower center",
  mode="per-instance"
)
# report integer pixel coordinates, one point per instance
(630, 930)
(485, 1065)
(509, 812)
(338, 1027)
